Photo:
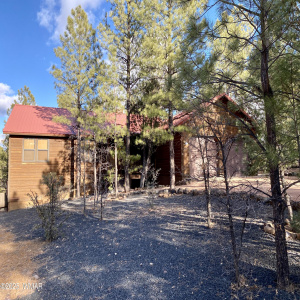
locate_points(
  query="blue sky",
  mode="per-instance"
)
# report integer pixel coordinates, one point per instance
(29, 31)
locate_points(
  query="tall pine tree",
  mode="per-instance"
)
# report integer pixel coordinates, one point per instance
(123, 35)
(76, 78)
(169, 20)
(250, 53)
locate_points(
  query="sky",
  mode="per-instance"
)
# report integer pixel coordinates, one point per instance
(29, 32)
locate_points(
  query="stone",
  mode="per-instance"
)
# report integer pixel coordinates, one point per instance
(196, 192)
(180, 191)
(269, 230)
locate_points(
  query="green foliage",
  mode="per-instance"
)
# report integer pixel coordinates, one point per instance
(80, 57)
(295, 223)
(256, 160)
(79, 75)
(3, 168)
(249, 42)
(123, 37)
(110, 177)
(25, 97)
(131, 160)
(50, 213)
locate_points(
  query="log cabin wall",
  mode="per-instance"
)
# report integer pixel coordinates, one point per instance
(185, 146)
(162, 161)
(26, 176)
(196, 149)
(224, 126)
(237, 159)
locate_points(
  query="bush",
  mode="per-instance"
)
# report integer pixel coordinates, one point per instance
(50, 212)
(151, 183)
(295, 223)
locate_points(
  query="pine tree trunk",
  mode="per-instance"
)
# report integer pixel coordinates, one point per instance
(84, 176)
(128, 99)
(95, 173)
(171, 148)
(78, 161)
(146, 162)
(286, 197)
(278, 204)
(100, 183)
(127, 162)
(206, 175)
(143, 175)
(230, 219)
(116, 169)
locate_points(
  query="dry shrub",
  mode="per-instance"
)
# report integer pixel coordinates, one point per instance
(50, 213)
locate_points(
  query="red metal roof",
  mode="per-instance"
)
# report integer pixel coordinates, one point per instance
(183, 117)
(38, 120)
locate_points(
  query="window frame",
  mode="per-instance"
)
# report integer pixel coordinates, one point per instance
(35, 150)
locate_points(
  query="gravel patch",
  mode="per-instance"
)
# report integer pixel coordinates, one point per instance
(158, 251)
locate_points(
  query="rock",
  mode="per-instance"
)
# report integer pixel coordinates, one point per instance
(196, 192)
(270, 224)
(190, 192)
(180, 191)
(172, 191)
(269, 230)
(185, 191)
(291, 235)
(166, 194)
(163, 193)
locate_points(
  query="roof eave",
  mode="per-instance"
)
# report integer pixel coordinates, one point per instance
(36, 134)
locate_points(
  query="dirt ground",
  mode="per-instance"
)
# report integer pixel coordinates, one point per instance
(254, 183)
(17, 268)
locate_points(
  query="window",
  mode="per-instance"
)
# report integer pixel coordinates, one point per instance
(35, 150)
(28, 150)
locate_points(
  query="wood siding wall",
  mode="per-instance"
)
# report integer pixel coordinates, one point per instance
(26, 176)
(162, 161)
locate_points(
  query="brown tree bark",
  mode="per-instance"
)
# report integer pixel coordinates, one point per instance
(171, 148)
(147, 151)
(279, 206)
(78, 177)
(127, 159)
(128, 103)
(95, 172)
(116, 169)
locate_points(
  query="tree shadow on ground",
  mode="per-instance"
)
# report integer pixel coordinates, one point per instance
(139, 252)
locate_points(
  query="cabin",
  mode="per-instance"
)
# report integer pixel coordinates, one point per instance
(38, 145)
(201, 130)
